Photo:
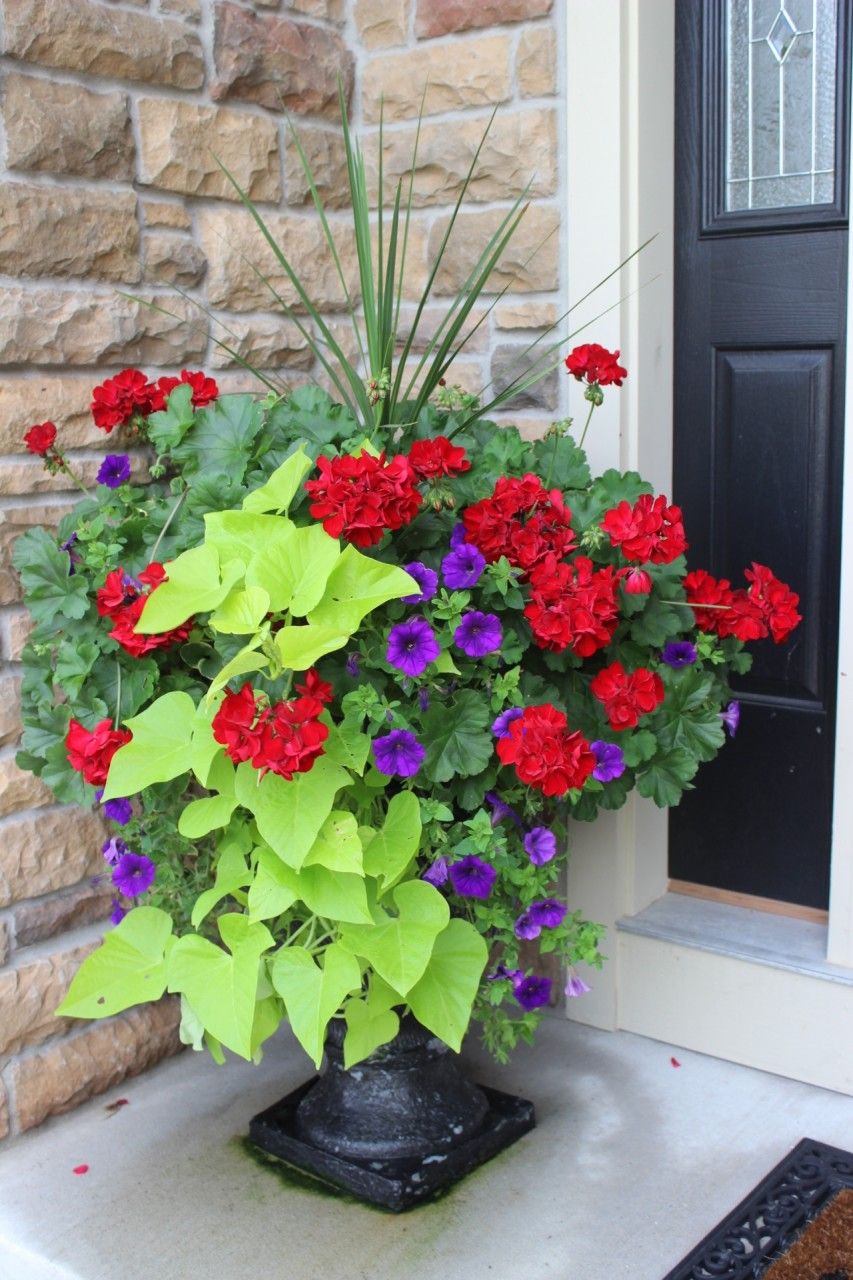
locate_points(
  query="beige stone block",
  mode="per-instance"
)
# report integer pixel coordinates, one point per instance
(63, 399)
(475, 329)
(165, 213)
(82, 35)
(20, 790)
(525, 315)
(65, 128)
(43, 326)
(48, 851)
(417, 255)
(171, 259)
(30, 477)
(279, 63)
(475, 73)
(61, 1077)
(51, 231)
(441, 17)
(382, 24)
(4, 1112)
(264, 342)
(519, 152)
(30, 995)
(234, 246)
(10, 723)
(331, 10)
(180, 144)
(5, 948)
(19, 624)
(189, 10)
(85, 904)
(530, 262)
(536, 65)
(324, 151)
(513, 362)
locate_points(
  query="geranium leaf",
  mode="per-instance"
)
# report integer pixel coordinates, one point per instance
(128, 968)
(667, 777)
(457, 740)
(159, 750)
(52, 591)
(222, 438)
(167, 428)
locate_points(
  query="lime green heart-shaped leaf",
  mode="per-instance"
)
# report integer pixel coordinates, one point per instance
(280, 490)
(128, 968)
(442, 998)
(159, 749)
(312, 994)
(399, 946)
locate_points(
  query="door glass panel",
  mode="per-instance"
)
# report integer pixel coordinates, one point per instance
(780, 103)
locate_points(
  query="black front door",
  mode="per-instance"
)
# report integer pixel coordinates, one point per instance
(760, 316)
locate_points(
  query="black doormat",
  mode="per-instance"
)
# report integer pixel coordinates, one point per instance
(760, 1232)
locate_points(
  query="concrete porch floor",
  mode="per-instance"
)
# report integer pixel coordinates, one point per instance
(633, 1161)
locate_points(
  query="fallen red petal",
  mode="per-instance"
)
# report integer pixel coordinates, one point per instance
(80, 1168)
(112, 1107)
(673, 1062)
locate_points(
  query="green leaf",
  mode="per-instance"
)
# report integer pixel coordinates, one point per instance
(312, 994)
(638, 746)
(370, 1023)
(294, 567)
(248, 659)
(392, 848)
(194, 584)
(128, 968)
(51, 591)
(74, 661)
(280, 490)
(159, 750)
(223, 435)
(232, 872)
(456, 738)
(310, 413)
(202, 816)
(561, 463)
(289, 815)
(138, 679)
(443, 997)
(399, 947)
(242, 612)
(347, 745)
(335, 895)
(300, 647)
(167, 428)
(221, 986)
(271, 892)
(657, 623)
(204, 749)
(355, 587)
(237, 535)
(667, 777)
(337, 846)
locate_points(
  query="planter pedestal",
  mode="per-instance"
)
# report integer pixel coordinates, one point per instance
(401, 1126)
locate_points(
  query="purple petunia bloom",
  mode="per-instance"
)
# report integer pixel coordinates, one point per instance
(398, 752)
(502, 971)
(133, 874)
(576, 987)
(532, 993)
(120, 811)
(472, 878)
(679, 653)
(609, 761)
(540, 845)
(547, 912)
(74, 557)
(118, 912)
(731, 717)
(478, 634)
(427, 580)
(436, 874)
(114, 470)
(457, 537)
(463, 568)
(352, 666)
(500, 728)
(501, 810)
(113, 849)
(525, 928)
(412, 646)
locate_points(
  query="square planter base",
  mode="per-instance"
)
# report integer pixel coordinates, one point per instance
(392, 1184)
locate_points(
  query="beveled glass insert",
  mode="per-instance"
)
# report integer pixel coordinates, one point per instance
(780, 103)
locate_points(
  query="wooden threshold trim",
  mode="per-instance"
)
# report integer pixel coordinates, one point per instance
(754, 903)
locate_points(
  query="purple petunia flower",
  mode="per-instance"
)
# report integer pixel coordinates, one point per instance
(532, 993)
(133, 874)
(412, 646)
(463, 568)
(540, 845)
(352, 666)
(114, 470)
(118, 912)
(472, 878)
(731, 717)
(478, 634)
(427, 580)
(525, 928)
(610, 761)
(501, 810)
(500, 728)
(502, 971)
(120, 811)
(576, 987)
(679, 653)
(113, 849)
(398, 752)
(436, 874)
(547, 912)
(457, 537)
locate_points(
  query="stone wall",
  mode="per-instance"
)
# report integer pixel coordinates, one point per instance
(113, 115)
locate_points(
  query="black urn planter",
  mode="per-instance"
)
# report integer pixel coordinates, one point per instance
(398, 1128)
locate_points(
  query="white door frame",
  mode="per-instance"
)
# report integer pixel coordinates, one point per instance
(619, 149)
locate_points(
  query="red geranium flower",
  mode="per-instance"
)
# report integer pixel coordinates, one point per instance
(122, 600)
(40, 438)
(204, 389)
(776, 600)
(626, 696)
(596, 364)
(522, 520)
(701, 589)
(572, 606)
(636, 582)
(438, 457)
(769, 607)
(90, 752)
(546, 754)
(360, 498)
(116, 401)
(650, 530)
(234, 725)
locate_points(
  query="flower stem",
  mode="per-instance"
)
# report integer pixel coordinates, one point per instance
(63, 466)
(169, 518)
(118, 695)
(586, 425)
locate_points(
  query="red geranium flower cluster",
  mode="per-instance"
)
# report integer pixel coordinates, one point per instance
(90, 752)
(626, 696)
(431, 459)
(572, 606)
(768, 607)
(361, 498)
(650, 530)
(547, 754)
(118, 399)
(523, 521)
(122, 600)
(285, 738)
(596, 364)
(40, 438)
